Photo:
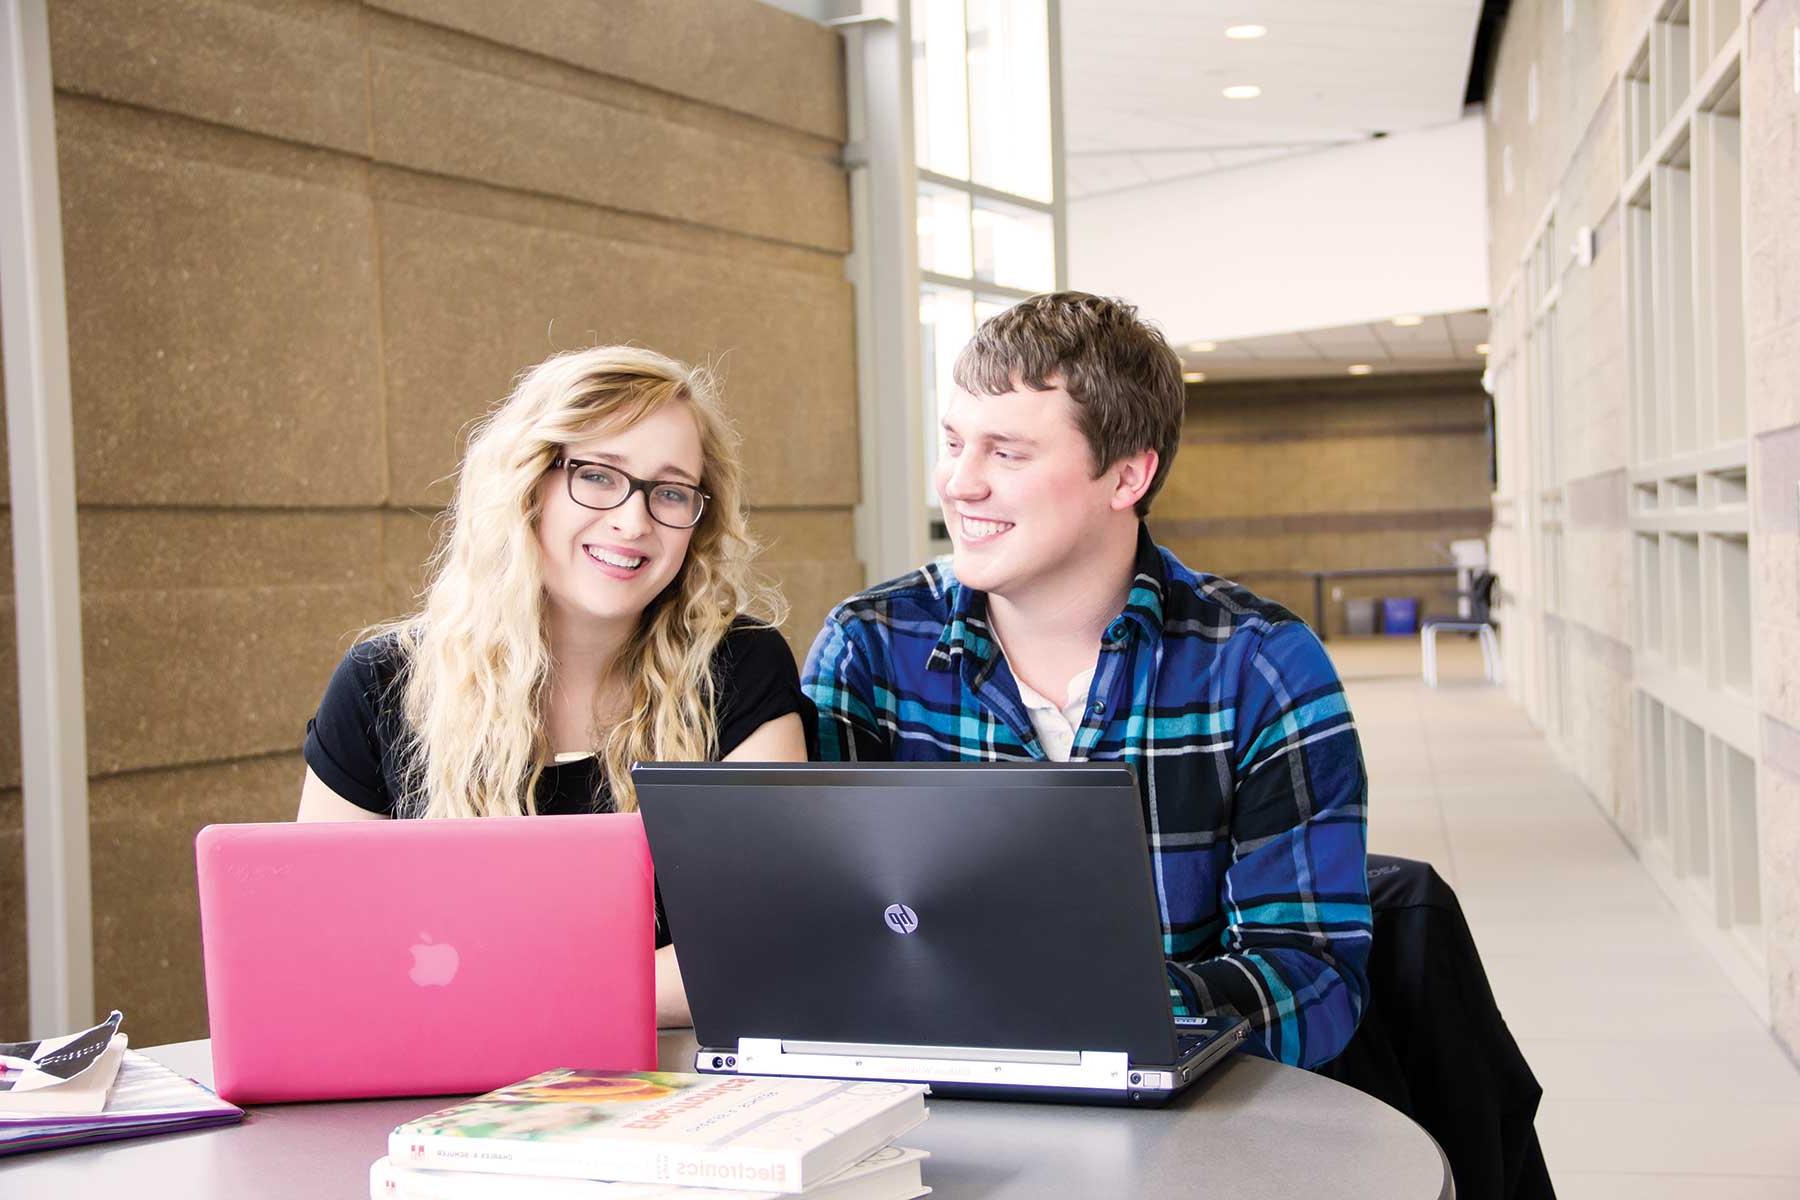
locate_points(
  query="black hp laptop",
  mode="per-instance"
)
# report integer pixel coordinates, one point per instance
(987, 928)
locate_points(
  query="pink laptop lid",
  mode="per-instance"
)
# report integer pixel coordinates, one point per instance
(418, 958)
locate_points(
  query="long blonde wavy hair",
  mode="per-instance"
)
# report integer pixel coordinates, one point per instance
(476, 664)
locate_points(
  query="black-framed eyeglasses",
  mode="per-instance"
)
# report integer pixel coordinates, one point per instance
(602, 486)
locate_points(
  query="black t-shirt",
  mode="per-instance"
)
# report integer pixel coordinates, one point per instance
(353, 743)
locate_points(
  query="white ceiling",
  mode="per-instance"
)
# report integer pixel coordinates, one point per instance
(1441, 342)
(1142, 81)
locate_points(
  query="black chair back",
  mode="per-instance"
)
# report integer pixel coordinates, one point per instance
(1481, 596)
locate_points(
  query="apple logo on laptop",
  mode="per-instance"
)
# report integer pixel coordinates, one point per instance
(434, 963)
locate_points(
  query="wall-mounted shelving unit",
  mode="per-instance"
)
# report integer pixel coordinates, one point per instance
(1529, 503)
(1692, 541)
(1696, 727)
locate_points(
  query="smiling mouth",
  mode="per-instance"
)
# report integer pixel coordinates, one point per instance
(978, 530)
(611, 558)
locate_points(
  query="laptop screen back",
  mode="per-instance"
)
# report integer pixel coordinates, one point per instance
(977, 905)
(396, 958)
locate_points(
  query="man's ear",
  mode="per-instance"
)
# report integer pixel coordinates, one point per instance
(1132, 476)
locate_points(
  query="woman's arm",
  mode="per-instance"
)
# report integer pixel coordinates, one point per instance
(319, 803)
(780, 740)
(344, 745)
(671, 995)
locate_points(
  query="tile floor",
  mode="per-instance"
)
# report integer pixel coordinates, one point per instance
(1658, 1079)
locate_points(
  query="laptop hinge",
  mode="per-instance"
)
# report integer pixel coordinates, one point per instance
(1061, 1058)
(1101, 1069)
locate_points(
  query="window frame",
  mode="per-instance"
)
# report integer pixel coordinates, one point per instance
(978, 289)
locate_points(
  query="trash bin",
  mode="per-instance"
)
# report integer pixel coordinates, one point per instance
(1359, 617)
(1400, 614)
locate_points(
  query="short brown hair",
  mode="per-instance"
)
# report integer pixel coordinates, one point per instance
(1121, 374)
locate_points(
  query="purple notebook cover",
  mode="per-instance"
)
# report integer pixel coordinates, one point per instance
(147, 1098)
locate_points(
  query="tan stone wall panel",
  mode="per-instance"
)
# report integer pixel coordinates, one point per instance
(296, 74)
(9, 663)
(1271, 567)
(14, 980)
(810, 555)
(1353, 474)
(181, 677)
(235, 360)
(1387, 474)
(306, 244)
(691, 48)
(14, 984)
(10, 765)
(733, 253)
(1333, 417)
(789, 534)
(1252, 560)
(146, 911)
(469, 303)
(124, 550)
(812, 588)
(134, 561)
(408, 540)
(432, 116)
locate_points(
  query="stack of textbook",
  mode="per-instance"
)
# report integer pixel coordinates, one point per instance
(641, 1135)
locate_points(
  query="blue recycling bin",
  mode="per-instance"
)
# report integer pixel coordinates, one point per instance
(1400, 614)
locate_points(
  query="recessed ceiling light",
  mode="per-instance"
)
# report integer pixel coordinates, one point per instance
(1481, 347)
(1244, 33)
(1194, 377)
(1409, 321)
(1203, 347)
(1360, 368)
(1242, 91)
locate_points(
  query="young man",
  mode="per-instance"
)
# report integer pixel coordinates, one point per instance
(1059, 630)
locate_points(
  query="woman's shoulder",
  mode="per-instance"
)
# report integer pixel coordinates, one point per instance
(750, 658)
(385, 651)
(756, 679)
(750, 641)
(372, 665)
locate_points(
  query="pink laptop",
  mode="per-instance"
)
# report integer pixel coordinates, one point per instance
(419, 958)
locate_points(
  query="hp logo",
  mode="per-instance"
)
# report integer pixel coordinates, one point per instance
(901, 919)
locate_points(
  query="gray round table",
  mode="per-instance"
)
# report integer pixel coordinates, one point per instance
(1251, 1130)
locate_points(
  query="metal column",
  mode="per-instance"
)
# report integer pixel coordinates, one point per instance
(40, 435)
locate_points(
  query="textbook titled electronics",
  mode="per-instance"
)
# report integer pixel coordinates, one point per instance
(891, 1173)
(747, 1133)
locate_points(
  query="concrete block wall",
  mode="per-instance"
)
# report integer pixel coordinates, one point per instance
(306, 244)
(1555, 131)
(1772, 318)
(1274, 478)
(1572, 151)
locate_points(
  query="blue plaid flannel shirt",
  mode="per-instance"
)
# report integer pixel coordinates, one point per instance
(1255, 796)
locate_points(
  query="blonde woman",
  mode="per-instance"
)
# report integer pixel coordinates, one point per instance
(592, 606)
